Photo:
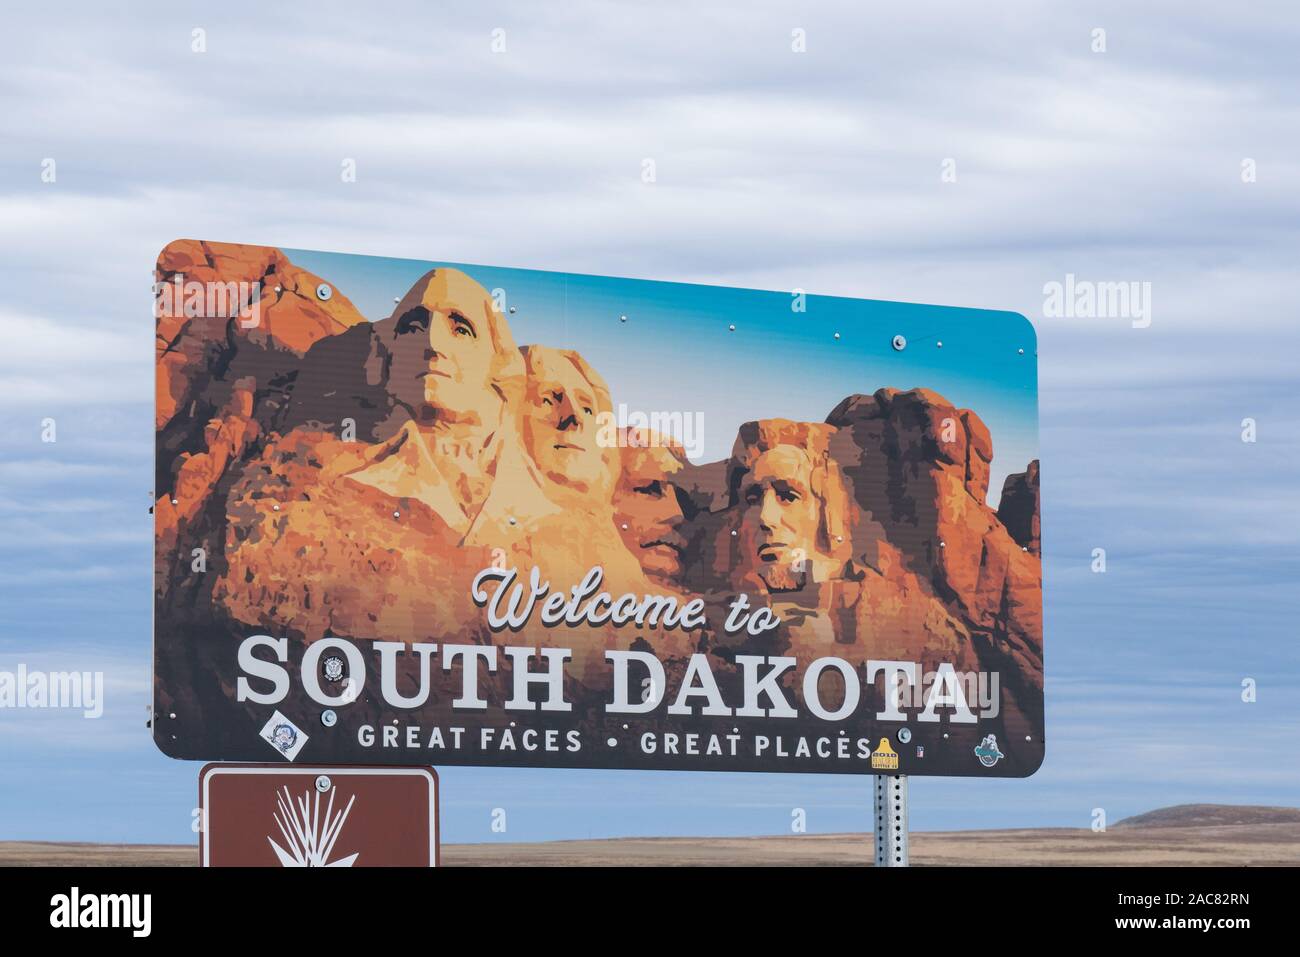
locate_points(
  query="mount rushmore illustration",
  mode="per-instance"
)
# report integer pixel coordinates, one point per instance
(321, 474)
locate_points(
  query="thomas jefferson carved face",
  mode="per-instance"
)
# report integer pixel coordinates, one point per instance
(563, 398)
(647, 511)
(445, 344)
(791, 503)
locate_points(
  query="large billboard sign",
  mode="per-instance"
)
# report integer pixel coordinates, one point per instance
(434, 513)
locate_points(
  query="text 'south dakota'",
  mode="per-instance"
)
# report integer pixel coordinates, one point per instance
(640, 685)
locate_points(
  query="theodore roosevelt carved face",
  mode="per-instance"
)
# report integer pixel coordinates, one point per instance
(647, 507)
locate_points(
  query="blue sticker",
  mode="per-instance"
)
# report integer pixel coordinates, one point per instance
(988, 752)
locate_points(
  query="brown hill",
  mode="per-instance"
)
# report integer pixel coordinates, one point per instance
(1212, 815)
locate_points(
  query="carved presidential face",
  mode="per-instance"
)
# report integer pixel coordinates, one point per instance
(561, 405)
(648, 512)
(443, 349)
(780, 516)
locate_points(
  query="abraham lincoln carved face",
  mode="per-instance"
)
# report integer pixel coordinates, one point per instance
(780, 512)
(790, 501)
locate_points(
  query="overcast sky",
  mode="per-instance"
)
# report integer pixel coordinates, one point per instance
(776, 169)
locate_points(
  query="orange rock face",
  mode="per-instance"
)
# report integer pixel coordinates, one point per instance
(311, 551)
(919, 468)
(289, 315)
(1018, 507)
(232, 321)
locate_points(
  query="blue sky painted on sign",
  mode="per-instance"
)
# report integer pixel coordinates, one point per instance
(677, 350)
(774, 170)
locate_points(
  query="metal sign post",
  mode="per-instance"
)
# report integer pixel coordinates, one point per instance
(891, 820)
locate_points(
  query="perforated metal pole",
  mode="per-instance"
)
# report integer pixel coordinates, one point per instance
(891, 820)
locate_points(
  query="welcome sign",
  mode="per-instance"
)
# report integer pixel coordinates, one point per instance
(435, 513)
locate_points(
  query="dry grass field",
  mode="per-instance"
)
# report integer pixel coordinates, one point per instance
(1187, 835)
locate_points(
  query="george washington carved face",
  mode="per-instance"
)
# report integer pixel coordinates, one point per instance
(448, 349)
(790, 501)
(563, 398)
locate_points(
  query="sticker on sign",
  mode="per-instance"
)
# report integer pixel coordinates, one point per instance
(269, 815)
(283, 735)
(472, 515)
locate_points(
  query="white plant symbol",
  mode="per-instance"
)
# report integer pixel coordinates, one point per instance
(310, 836)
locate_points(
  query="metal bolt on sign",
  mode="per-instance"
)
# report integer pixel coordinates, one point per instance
(891, 820)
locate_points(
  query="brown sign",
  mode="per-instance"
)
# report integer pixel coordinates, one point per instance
(270, 815)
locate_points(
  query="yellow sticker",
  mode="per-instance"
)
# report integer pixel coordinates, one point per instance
(884, 758)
